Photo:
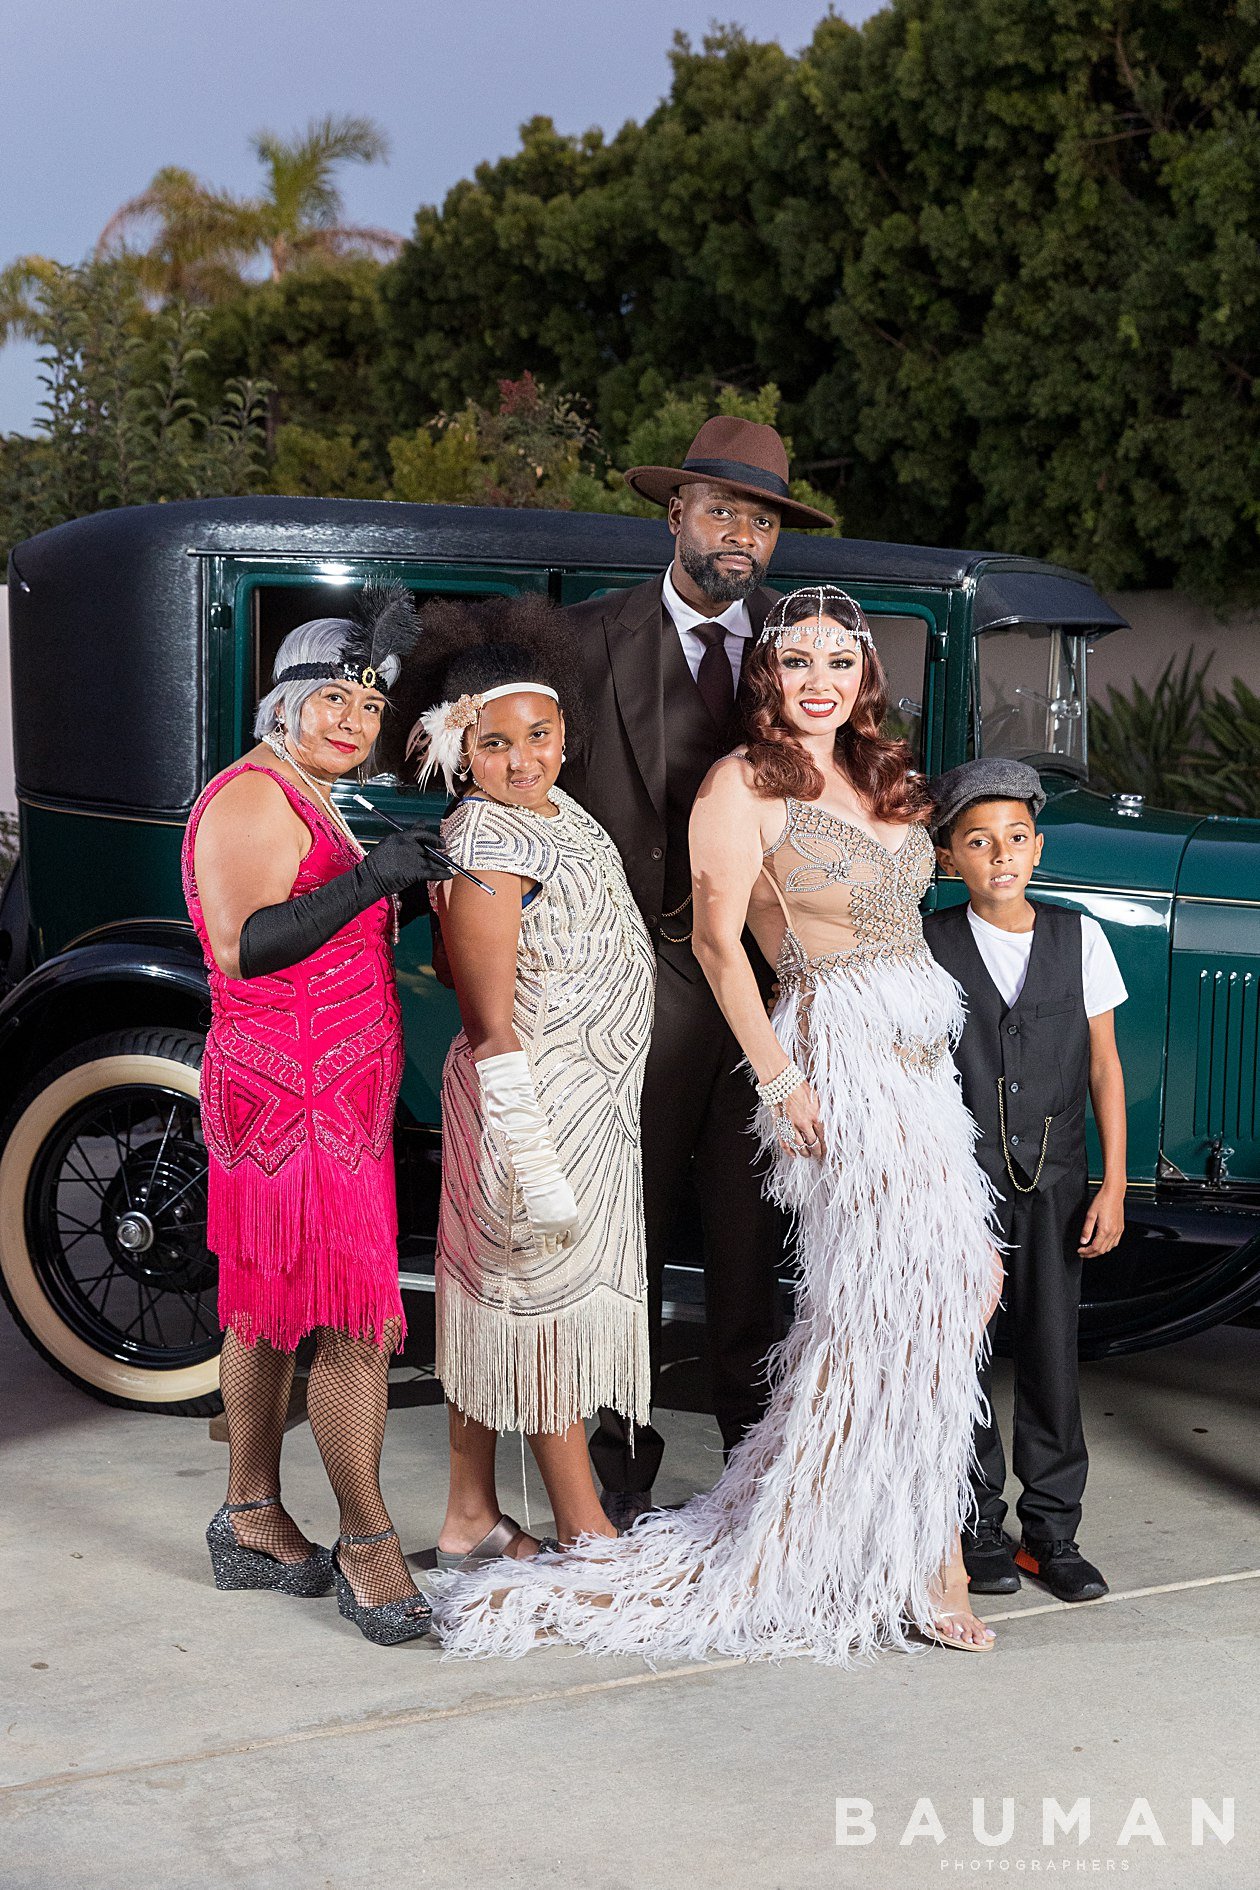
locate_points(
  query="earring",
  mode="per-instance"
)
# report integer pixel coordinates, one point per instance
(564, 755)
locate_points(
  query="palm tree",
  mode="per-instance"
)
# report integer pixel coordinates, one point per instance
(204, 237)
(302, 211)
(201, 240)
(20, 283)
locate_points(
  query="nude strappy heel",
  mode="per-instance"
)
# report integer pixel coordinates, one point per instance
(495, 1543)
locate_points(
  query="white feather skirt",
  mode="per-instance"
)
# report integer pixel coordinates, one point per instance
(832, 1520)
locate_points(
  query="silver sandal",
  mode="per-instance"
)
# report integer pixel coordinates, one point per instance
(492, 1546)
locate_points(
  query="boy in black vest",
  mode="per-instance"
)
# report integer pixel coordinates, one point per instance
(1041, 985)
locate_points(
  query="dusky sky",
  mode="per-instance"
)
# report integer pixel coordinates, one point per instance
(98, 97)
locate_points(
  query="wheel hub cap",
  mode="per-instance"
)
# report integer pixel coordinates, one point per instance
(134, 1233)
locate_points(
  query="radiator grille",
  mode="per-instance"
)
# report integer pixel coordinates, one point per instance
(1227, 1085)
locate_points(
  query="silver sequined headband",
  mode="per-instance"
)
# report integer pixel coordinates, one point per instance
(828, 601)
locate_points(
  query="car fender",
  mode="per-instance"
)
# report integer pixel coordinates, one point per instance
(174, 974)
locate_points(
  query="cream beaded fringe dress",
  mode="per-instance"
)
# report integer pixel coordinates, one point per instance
(526, 1341)
(835, 1514)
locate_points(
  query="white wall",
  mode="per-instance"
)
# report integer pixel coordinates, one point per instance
(1165, 624)
(8, 795)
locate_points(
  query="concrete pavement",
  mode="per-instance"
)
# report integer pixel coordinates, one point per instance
(159, 1734)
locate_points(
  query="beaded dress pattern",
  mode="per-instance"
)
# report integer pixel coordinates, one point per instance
(836, 1512)
(530, 1341)
(298, 1085)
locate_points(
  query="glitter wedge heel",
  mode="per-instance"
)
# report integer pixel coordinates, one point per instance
(390, 1622)
(238, 1567)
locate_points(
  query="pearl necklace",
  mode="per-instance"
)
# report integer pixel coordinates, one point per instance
(280, 748)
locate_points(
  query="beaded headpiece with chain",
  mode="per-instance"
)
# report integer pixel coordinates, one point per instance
(837, 618)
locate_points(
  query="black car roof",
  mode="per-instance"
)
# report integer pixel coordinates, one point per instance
(381, 528)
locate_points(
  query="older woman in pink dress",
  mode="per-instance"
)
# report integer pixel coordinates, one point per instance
(301, 1073)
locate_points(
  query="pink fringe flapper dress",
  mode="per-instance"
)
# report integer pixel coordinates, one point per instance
(298, 1086)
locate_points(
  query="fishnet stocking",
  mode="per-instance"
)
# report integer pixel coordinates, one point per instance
(347, 1400)
(256, 1381)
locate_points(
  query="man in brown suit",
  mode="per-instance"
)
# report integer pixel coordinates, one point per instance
(660, 670)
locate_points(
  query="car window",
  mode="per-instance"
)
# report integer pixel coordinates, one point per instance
(902, 646)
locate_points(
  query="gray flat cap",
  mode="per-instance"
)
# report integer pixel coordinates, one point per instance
(993, 778)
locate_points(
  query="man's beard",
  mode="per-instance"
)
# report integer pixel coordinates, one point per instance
(720, 587)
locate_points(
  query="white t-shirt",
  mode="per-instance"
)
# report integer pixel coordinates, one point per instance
(735, 620)
(1006, 956)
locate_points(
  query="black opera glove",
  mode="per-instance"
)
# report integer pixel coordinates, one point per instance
(275, 937)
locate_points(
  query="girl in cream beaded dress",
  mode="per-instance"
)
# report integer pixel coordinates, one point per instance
(531, 1340)
(834, 1528)
(541, 1266)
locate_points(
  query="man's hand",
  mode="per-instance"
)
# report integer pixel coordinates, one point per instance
(1104, 1222)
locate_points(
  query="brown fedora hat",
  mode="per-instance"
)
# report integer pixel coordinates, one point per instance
(742, 454)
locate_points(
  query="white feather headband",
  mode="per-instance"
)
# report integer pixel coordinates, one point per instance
(438, 737)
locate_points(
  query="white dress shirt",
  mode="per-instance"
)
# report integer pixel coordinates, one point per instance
(1006, 956)
(735, 620)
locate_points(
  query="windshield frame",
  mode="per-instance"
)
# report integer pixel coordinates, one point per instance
(1068, 653)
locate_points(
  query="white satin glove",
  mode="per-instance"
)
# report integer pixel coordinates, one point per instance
(510, 1104)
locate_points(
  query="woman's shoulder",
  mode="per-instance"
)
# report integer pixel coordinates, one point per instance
(247, 790)
(733, 777)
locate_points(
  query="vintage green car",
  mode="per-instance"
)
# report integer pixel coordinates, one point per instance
(141, 640)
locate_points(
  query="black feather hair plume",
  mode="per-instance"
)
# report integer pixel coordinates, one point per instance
(384, 624)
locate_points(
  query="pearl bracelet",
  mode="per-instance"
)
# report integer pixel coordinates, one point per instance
(781, 1087)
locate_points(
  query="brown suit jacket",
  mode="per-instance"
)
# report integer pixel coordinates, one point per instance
(617, 772)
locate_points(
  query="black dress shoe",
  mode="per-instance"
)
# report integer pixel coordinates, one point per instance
(988, 1560)
(1063, 1569)
(624, 1507)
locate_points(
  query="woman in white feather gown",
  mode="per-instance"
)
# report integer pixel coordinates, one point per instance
(834, 1528)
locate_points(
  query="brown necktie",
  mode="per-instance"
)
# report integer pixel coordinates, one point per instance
(714, 678)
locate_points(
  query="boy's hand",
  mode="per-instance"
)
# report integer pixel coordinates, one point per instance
(1104, 1223)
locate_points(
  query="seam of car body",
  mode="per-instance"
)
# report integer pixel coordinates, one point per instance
(100, 813)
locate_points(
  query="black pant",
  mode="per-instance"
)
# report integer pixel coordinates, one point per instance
(697, 1102)
(1042, 1298)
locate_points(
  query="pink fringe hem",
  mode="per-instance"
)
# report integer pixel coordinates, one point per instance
(284, 1310)
(314, 1245)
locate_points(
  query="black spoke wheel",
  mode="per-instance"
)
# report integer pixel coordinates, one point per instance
(103, 1255)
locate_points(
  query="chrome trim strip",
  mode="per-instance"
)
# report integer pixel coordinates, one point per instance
(1212, 899)
(1116, 892)
(92, 813)
(127, 925)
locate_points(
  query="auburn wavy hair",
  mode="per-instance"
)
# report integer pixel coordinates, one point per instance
(881, 770)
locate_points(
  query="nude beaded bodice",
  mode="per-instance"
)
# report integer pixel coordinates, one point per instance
(841, 894)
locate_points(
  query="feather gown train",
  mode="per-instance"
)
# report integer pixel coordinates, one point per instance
(833, 1518)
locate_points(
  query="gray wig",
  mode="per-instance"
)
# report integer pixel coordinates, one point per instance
(322, 640)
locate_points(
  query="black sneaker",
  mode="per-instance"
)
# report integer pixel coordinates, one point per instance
(989, 1562)
(1063, 1569)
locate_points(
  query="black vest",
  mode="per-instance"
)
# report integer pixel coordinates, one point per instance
(1040, 1045)
(693, 742)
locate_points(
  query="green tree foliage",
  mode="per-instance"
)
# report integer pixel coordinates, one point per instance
(119, 425)
(322, 463)
(1223, 777)
(1142, 738)
(999, 255)
(525, 450)
(662, 437)
(315, 336)
(1178, 744)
